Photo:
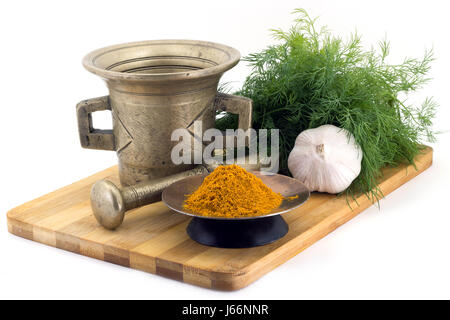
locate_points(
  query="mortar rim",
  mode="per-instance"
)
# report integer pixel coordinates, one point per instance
(233, 59)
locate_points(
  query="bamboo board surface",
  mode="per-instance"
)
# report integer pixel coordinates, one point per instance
(153, 238)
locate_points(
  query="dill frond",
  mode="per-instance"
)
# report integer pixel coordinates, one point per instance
(313, 78)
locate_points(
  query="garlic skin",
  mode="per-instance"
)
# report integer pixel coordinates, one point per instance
(325, 159)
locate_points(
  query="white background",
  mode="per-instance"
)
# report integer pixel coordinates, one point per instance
(400, 251)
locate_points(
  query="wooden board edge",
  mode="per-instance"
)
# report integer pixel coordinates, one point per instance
(232, 281)
(18, 228)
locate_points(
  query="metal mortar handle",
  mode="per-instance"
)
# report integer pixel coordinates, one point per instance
(90, 137)
(238, 105)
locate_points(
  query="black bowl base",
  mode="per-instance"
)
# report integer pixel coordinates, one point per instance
(235, 233)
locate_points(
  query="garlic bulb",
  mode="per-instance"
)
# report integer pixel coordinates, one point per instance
(325, 159)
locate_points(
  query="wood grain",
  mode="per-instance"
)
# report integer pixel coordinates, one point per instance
(153, 238)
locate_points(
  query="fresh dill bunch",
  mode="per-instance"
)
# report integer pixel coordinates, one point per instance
(312, 78)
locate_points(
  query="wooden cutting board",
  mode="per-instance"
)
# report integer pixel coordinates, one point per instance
(153, 238)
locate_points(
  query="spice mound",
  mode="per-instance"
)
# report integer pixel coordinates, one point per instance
(232, 192)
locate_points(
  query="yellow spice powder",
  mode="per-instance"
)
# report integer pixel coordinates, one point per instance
(231, 191)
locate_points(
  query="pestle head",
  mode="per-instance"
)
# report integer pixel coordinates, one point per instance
(107, 204)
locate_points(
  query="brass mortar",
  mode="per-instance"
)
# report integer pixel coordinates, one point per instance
(156, 87)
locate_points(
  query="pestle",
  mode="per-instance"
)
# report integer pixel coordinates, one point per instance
(109, 202)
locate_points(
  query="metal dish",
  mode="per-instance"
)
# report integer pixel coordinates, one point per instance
(238, 232)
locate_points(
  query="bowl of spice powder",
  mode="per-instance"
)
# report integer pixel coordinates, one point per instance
(235, 208)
